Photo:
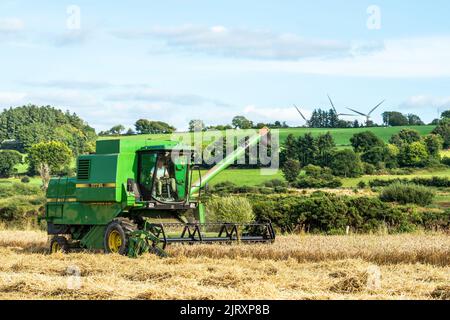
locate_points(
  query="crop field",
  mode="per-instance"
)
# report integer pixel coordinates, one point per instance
(341, 136)
(413, 266)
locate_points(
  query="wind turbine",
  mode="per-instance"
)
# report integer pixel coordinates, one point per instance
(368, 114)
(339, 114)
(301, 114)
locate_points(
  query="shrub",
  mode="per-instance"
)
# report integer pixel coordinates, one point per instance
(368, 168)
(362, 185)
(446, 161)
(346, 163)
(407, 193)
(229, 209)
(327, 213)
(439, 182)
(8, 160)
(291, 169)
(306, 182)
(25, 179)
(275, 183)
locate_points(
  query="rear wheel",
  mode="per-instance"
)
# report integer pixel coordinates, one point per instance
(59, 244)
(117, 234)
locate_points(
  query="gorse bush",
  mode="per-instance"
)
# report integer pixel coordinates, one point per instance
(327, 213)
(438, 182)
(407, 193)
(20, 204)
(229, 209)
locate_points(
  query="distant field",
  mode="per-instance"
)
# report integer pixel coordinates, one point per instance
(341, 136)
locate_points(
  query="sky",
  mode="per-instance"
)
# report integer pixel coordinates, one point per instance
(176, 60)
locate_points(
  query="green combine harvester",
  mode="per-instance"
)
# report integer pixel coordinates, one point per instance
(138, 196)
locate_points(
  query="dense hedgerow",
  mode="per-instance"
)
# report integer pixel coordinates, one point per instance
(407, 193)
(439, 182)
(20, 204)
(331, 214)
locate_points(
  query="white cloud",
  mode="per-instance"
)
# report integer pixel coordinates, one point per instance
(273, 114)
(247, 43)
(10, 98)
(421, 102)
(11, 25)
(400, 58)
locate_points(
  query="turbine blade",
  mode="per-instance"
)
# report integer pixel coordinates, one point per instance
(376, 107)
(360, 113)
(301, 114)
(332, 104)
(348, 114)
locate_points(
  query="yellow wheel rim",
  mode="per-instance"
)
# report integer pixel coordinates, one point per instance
(114, 241)
(56, 247)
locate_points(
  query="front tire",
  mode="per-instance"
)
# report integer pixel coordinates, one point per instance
(59, 244)
(117, 234)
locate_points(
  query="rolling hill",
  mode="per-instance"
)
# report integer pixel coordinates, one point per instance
(341, 136)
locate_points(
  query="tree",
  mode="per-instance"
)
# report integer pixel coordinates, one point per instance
(375, 155)
(365, 141)
(117, 130)
(291, 169)
(445, 114)
(130, 132)
(28, 125)
(443, 129)
(394, 118)
(196, 125)
(56, 155)
(241, 122)
(325, 146)
(434, 144)
(414, 120)
(346, 163)
(405, 136)
(8, 160)
(413, 155)
(144, 126)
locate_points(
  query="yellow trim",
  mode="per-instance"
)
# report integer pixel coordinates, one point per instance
(114, 241)
(55, 247)
(96, 185)
(62, 200)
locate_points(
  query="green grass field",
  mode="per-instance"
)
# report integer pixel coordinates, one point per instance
(341, 136)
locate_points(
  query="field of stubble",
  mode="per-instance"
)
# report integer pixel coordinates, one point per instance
(295, 267)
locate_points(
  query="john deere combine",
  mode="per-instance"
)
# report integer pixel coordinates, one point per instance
(137, 196)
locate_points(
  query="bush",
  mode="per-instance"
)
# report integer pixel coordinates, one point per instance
(25, 179)
(291, 169)
(446, 161)
(331, 214)
(407, 193)
(368, 168)
(275, 183)
(8, 160)
(306, 182)
(362, 185)
(229, 209)
(438, 182)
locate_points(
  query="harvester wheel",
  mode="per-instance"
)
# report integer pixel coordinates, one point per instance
(59, 244)
(117, 234)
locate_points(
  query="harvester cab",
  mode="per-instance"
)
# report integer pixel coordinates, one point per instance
(137, 196)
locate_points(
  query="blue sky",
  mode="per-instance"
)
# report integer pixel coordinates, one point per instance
(178, 60)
